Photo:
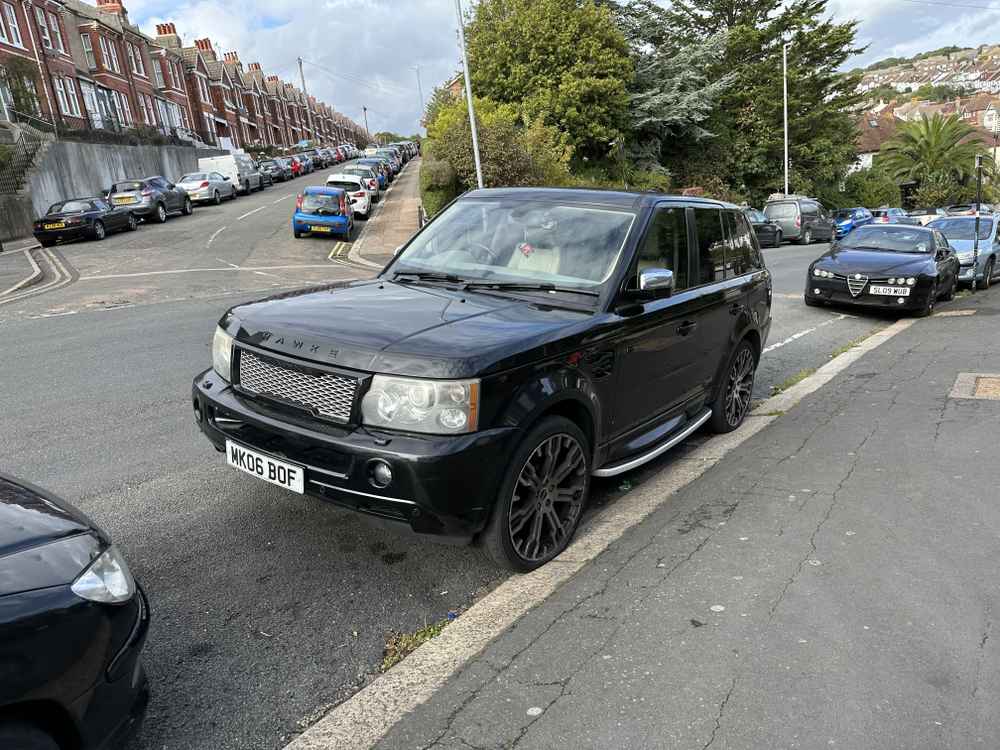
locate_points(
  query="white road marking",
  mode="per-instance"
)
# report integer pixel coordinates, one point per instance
(35, 272)
(212, 238)
(806, 332)
(250, 213)
(230, 268)
(290, 195)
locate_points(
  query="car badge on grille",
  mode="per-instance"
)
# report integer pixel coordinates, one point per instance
(856, 284)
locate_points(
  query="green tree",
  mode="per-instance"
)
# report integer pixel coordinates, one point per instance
(932, 145)
(748, 118)
(440, 98)
(675, 89)
(936, 189)
(513, 150)
(563, 60)
(871, 188)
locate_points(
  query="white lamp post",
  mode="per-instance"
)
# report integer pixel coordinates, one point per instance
(468, 94)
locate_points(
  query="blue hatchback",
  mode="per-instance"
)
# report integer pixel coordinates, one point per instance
(848, 219)
(323, 210)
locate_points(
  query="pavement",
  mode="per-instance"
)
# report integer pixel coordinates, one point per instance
(396, 220)
(17, 270)
(268, 609)
(830, 583)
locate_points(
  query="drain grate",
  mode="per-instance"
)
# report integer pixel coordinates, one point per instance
(976, 385)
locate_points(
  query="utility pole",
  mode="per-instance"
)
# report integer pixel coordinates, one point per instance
(309, 115)
(468, 95)
(979, 206)
(367, 131)
(784, 85)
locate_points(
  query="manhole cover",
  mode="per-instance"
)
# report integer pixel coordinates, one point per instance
(976, 385)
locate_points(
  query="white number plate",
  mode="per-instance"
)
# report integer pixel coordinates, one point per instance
(890, 291)
(264, 467)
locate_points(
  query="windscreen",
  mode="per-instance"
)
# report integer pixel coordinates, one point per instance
(521, 241)
(194, 177)
(892, 239)
(964, 228)
(70, 207)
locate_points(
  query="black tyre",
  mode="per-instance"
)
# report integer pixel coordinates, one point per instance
(806, 237)
(98, 233)
(541, 498)
(987, 281)
(46, 243)
(929, 305)
(296, 233)
(160, 215)
(133, 223)
(732, 402)
(216, 198)
(188, 207)
(777, 239)
(952, 289)
(17, 735)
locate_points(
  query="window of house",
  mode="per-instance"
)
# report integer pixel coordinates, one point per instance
(227, 97)
(56, 30)
(123, 109)
(184, 119)
(203, 90)
(57, 84)
(666, 245)
(711, 245)
(158, 74)
(174, 75)
(43, 28)
(13, 29)
(88, 50)
(135, 59)
(110, 54)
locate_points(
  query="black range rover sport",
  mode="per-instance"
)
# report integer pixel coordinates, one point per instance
(519, 344)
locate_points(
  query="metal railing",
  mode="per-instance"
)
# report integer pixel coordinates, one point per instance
(17, 158)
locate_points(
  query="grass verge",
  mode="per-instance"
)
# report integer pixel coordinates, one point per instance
(789, 382)
(400, 645)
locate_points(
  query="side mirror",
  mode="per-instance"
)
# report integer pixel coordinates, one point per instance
(656, 281)
(226, 179)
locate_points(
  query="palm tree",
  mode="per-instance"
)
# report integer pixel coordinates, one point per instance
(932, 146)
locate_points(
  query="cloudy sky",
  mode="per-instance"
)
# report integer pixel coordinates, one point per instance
(362, 53)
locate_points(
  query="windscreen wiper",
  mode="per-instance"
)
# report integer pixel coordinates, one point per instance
(427, 276)
(523, 287)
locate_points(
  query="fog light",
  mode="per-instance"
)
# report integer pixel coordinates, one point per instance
(379, 474)
(815, 291)
(901, 300)
(197, 412)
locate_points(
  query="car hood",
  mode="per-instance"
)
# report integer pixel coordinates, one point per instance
(421, 330)
(30, 517)
(967, 246)
(872, 263)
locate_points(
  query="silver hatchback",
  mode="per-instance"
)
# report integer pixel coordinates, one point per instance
(208, 187)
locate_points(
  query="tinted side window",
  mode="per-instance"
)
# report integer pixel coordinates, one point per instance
(711, 245)
(809, 209)
(666, 245)
(740, 259)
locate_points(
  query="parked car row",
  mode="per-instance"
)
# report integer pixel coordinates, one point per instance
(154, 199)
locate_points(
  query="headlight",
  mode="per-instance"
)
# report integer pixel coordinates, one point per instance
(107, 580)
(433, 406)
(222, 354)
(909, 282)
(817, 272)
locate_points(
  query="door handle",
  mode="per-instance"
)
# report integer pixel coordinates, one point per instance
(685, 328)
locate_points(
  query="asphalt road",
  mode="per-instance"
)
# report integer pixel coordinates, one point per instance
(267, 607)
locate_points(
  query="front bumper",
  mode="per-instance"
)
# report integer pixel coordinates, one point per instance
(835, 291)
(113, 711)
(840, 231)
(965, 274)
(443, 486)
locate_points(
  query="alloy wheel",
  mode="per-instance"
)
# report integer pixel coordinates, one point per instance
(988, 275)
(98, 231)
(216, 198)
(739, 387)
(133, 224)
(548, 497)
(161, 213)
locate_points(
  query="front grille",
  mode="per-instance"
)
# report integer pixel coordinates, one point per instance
(856, 285)
(324, 394)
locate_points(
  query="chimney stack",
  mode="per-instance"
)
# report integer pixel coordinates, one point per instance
(255, 66)
(114, 7)
(205, 45)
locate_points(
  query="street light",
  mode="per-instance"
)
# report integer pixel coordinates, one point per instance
(979, 205)
(784, 86)
(468, 95)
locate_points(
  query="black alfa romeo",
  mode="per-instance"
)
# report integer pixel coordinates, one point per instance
(521, 343)
(896, 267)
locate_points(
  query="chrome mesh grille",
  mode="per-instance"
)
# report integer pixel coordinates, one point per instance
(856, 283)
(326, 394)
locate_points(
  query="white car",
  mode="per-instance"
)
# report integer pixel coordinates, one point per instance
(354, 186)
(207, 187)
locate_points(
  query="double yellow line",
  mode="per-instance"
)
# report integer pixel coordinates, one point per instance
(339, 250)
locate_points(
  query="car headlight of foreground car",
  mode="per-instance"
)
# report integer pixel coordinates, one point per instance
(436, 407)
(822, 274)
(108, 579)
(222, 354)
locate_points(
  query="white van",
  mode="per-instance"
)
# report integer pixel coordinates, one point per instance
(239, 168)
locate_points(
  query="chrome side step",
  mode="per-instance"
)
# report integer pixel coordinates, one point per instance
(632, 463)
